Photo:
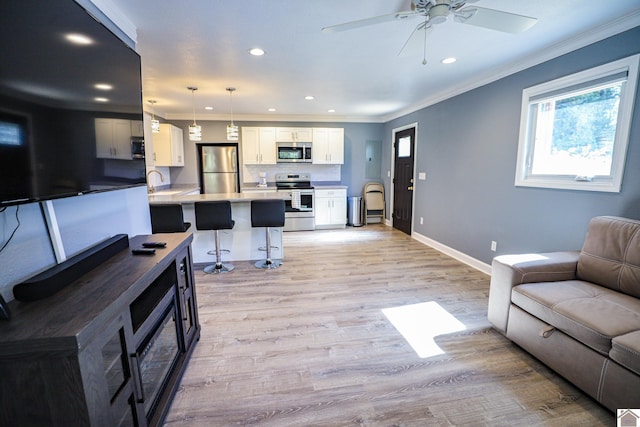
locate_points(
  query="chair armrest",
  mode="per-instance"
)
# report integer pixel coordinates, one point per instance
(508, 271)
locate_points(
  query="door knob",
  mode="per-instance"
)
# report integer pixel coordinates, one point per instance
(410, 188)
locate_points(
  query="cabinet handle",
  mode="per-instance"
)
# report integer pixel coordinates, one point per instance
(137, 378)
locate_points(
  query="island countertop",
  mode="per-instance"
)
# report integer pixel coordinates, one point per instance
(232, 197)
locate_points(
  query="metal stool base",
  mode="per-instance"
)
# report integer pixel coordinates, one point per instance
(269, 264)
(218, 268)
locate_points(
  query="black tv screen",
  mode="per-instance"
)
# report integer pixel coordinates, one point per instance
(70, 103)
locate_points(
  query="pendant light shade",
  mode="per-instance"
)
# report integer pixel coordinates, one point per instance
(155, 124)
(195, 131)
(232, 130)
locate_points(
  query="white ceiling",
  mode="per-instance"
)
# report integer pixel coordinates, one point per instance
(358, 73)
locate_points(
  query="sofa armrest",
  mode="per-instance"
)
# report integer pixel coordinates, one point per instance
(508, 271)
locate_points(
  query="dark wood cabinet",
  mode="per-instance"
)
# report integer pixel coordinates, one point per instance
(107, 350)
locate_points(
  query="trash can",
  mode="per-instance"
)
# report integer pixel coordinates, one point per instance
(354, 211)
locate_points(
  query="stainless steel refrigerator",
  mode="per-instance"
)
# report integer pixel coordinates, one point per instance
(219, 169)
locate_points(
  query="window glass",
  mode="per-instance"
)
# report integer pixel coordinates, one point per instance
(404, 146)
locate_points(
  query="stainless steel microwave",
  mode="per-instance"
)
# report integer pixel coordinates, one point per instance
(294, 152)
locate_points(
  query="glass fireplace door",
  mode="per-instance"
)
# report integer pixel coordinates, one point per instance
(157, 356)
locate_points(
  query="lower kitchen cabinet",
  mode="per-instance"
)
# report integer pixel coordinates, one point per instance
(107, 350)
(330, 207)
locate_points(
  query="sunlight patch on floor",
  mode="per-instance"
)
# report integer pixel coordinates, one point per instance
(420, 323)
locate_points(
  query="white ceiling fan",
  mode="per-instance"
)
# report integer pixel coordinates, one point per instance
(436, 12)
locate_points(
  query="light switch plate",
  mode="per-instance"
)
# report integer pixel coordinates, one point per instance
(422, 176)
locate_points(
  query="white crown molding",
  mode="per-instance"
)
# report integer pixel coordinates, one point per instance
(272, 118)
(118, 18)
(579, 41)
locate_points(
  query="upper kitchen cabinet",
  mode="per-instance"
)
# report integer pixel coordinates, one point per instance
(328, 146)
(294, 134)
(137, 128)
(113, 139)
(168, 149)
(258, 146)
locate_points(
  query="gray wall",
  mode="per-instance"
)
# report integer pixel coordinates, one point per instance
(467, 145)
(82, 221)
(356, 135)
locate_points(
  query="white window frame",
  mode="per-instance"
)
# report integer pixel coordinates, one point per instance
(531, 95)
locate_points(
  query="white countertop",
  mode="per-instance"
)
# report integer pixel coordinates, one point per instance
(330, 187)
(232, 197)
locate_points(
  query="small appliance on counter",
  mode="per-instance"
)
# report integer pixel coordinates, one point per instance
(262, 182)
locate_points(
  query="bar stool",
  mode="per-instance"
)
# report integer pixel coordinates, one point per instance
(267, 213)
(167, 218)
(215, 216)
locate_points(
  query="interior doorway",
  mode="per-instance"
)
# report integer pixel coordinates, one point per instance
(403, 161)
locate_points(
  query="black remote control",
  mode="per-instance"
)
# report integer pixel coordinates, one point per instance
(154, 245)
(143, 251)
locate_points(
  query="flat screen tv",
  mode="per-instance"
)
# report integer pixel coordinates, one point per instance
(69, 88)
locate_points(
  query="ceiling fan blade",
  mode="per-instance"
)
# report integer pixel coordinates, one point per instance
(494, 19)
(417, 40)
(369, 21)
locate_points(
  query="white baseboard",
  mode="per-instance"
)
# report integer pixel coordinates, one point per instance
(462, 257)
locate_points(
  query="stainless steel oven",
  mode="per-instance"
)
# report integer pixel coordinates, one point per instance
(298, 199)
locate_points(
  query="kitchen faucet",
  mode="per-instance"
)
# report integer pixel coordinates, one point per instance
(150, 187)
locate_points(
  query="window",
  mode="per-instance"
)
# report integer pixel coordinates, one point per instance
(404, 146)
(574, 131)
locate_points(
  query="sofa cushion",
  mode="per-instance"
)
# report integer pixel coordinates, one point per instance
(626, 351)
(589, 313)
(610, 255)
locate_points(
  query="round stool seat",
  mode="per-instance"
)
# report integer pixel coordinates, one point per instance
(167, 218)
(214, 215)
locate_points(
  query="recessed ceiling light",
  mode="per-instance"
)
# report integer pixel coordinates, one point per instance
(449, 60)
(272, 109)
(331, 111)
(309, 97)
(79, 39)
(100, 99)
(256, 51)
(208, 108)
(103, 86)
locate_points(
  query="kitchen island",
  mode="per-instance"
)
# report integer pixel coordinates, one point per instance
(243, 242)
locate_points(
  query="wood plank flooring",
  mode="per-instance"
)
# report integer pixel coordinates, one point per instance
(308, 345)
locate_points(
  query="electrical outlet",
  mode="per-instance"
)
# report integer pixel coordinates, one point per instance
(494, 246)
(421, 220)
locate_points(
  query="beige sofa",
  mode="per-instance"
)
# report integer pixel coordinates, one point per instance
(578, 312)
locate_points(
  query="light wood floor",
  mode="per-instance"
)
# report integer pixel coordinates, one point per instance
(308, 345)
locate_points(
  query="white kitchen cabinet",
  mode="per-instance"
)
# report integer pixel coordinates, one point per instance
(328, 146)
(113, 139)
(258, 146)
(330, 207)
(168, 148)
(294, 134)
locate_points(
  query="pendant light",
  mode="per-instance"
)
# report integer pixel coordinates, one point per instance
(195, 131)
(155, 124)
(232, 130)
